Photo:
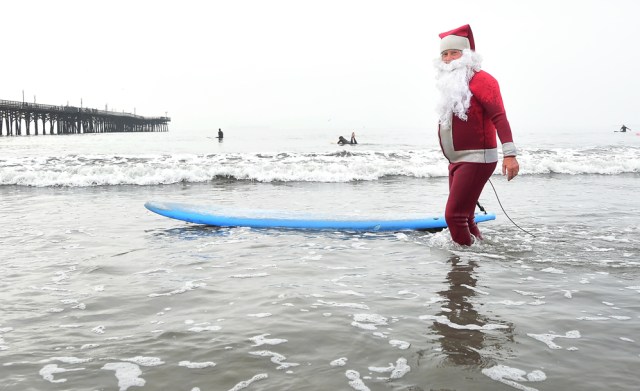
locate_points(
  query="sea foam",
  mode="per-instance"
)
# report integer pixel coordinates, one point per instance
(105, 170)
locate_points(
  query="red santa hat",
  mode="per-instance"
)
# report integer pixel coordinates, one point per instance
(459, 39)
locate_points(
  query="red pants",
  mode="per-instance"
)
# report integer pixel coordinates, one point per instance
(466, 181)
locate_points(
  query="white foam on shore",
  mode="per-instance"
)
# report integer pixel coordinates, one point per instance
(525, 293)
(548, 338)
(276, 358)
(473, 288)
(188, 286)
(260, 315)
(154, 271)
(620, 317)
(126, 373)
(593, 318)
(444, 320)
(402, 345)
(199, 329)
(339, 362)
(401, 368)
(355, 382)
(508, 302)
(627, 339)
(246, 383)
(350, 292)
(98, 329)
(434, 300)
(260, 340)
(511, 376)
(386, 369)
(50, 288)
(118, 338)
(49, 370)
(409, 295)
(196, 365)
(145, 361)
(396, 371)
(369, 321)
(347, 305)
(249, 275)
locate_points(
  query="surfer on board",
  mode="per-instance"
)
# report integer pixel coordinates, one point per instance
(343, 141)
(624, 128)
(470, 112)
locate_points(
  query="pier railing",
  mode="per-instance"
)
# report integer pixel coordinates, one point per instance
(17, 119)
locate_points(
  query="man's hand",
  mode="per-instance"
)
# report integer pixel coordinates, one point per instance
(510, 167)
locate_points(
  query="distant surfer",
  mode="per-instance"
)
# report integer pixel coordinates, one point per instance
(343, 141)
(220, 134)
(471, 111)
(624, 128)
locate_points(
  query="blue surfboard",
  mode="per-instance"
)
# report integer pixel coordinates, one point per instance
(225, 217)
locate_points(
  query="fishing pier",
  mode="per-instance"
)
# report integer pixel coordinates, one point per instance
(22, 118)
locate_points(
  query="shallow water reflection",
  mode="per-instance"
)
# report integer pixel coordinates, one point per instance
(466, 332)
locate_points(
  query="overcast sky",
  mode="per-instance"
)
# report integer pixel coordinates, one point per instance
(343, 64)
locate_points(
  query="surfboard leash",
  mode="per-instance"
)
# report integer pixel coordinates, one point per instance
(505, 212)
(484, 141)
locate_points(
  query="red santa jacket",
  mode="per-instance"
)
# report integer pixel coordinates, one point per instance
(474, 140)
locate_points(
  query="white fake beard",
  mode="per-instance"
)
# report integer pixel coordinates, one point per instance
(452, 81)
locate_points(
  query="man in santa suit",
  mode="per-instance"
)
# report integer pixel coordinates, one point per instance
(471, 112)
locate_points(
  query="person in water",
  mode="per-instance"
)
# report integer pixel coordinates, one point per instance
(220, 134)
(470, 112)
(343, 141)
(624, 128)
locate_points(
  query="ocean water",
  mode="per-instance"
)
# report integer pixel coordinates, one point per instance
(98, 293)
